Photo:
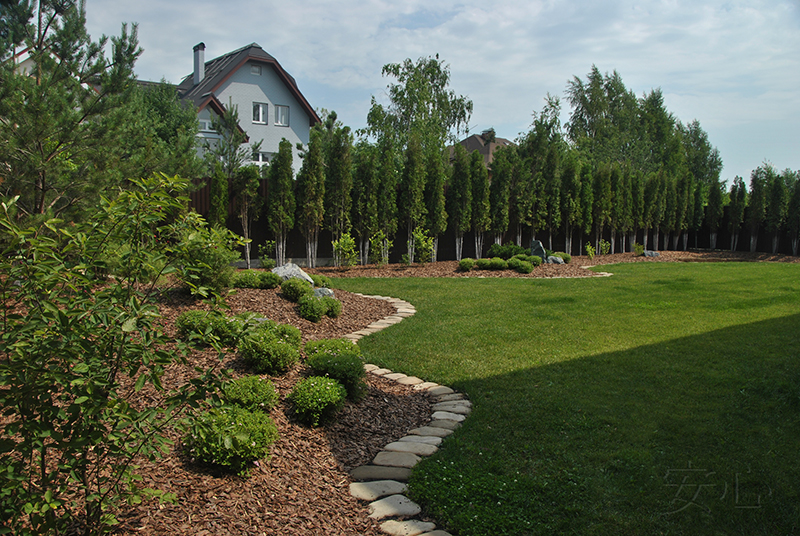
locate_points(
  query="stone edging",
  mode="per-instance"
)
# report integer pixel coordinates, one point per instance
(383, 482)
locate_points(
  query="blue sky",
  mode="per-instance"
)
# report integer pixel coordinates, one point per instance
(732, 65)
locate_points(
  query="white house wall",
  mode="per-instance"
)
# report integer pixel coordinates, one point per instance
(243, 89)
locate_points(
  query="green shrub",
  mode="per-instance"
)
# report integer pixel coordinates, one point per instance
(316, 399)
(289, 334)
(465, 265)
(331, 347)
(535, 260)
(269, 279)
(346, 367)
(192, 322)
(565, 256)
(506, 251)
(344, 251)
(230, 437)
(255, 279)
(498, 264)
(267, 264)
(590, 252)
(605, 247)
(265, 253)
(200, 325)
(321, 281)
(250, 393)
(638, 249)
(265, 353)
(423, 245)
(312, 308)
(205, 255)
(524, 267)
(294, 289)
(483, 264)
(333, 307)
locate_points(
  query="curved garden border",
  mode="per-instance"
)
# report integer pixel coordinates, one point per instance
(383, 482)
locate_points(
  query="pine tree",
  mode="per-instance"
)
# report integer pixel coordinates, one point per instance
(365, 197)
(757, 204)
(714, 212)
(502, 170)
(339, 181)
(247, 202)
(218, 205)
(738, 203)
(570, 197)
(280, 199)
(311, 195)
(387, 194)
(777, 202)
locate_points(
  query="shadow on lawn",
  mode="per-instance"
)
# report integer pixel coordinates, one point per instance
(697, 435)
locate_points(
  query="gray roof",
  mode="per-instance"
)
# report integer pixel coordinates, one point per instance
(220, 69)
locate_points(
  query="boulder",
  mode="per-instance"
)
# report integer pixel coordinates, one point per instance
(648, 253)
(554, 260)
(289, 270)
(538, 249)
(321, 292)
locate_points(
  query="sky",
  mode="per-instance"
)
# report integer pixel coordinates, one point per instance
(734, 66)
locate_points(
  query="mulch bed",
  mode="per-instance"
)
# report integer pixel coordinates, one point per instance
(303, 488)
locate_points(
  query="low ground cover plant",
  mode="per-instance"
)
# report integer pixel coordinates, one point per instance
(230, 437)
(293, 289)
(255, 279)
(312, 308)
(341, 360)
(266, 353)
(316, 399)
(251, 393)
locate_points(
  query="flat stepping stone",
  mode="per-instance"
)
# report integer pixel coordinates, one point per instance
(396, 459)
(372, 491)
(404, 315)
(381, 371)
(426, 385)
(395, 376)
(441, 390)
(450, 425)
(409, 380)
(451, 407)
(431, 431)
(451, 397)
(370, 368)
(406, 528)
(428, 440)
(393, 506)
(367, 473)
(447, 416)
(420, 449)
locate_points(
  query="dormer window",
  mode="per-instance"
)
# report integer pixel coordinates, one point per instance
(260, 113)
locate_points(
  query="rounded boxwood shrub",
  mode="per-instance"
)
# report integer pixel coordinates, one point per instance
(230, 437)
(317, 399)
(312, 308)
(523, 267)
(483, 264)
(333, 306)
(535, 260)
(565, 256)
(269, 280)
(250, 393)
(320, 280)
(331, 347)
(246, 279)
(465, 265)
(294, 289)
(342, 363)
(265, 353)
(498, 264)
(289, 334)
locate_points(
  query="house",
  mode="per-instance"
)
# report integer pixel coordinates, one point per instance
(486, 143)
(270, 105)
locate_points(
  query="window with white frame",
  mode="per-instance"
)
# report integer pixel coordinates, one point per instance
(282, 116)
(206, 125)
(260, 113)
(261, 159)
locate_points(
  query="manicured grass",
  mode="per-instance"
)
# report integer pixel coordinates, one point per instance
(662, 400)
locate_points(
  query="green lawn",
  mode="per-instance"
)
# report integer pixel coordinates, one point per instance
(662, 400)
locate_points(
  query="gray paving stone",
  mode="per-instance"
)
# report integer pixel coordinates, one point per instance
(451, 397)
(409, 380)
(441, 390)
(395, 376)
(451, 407)
(450, 425)
(367, 473)
(404, 315)
(411, 527)
(447, 416)
(381, 371)
(396, 459)
(454, 403)
(426, 385)
(393, 506)
(420, 449)
(431, 431)
(369, 368)
(371, 491)
(428, 440)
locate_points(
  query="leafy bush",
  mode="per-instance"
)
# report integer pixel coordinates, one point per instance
(71, 353)
(312, 308)
(423, 245)
(465, 265)
(535, 260)
(590, 252)
(333, 307)
(520, 265)
(638, 249)
(506, 251)
(316, 400)
(498, 264)
(265, 253)
(321, 281)
(605, 247)
(344, 251)
(203, 325)
(331, 347)
(344, 365)
(255, 279)
(289, 334)
(565, 256)
(267, 264)
(379, 247)
(265, 353)
(483, 264)
(230, 437)
(294, 289)
(250, 393)
(205, 255)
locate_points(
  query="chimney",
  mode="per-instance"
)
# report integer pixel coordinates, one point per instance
(199, 63)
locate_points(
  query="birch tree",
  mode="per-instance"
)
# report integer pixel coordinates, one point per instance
(460, 197)
(738, 203)
(280, 199)
(311, 195)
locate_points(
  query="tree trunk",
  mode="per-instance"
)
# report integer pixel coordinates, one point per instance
(459, 246)
(753, 241)
(675, 238)
(519, 235)
(655, 237)
(685, 240)
(775, 241)
(613, 241)
(794, 246)
(435, 252)
(308, 252)
(712, 240)
(644, 238)
(498, 239)
(478, 244)
(410, 244)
